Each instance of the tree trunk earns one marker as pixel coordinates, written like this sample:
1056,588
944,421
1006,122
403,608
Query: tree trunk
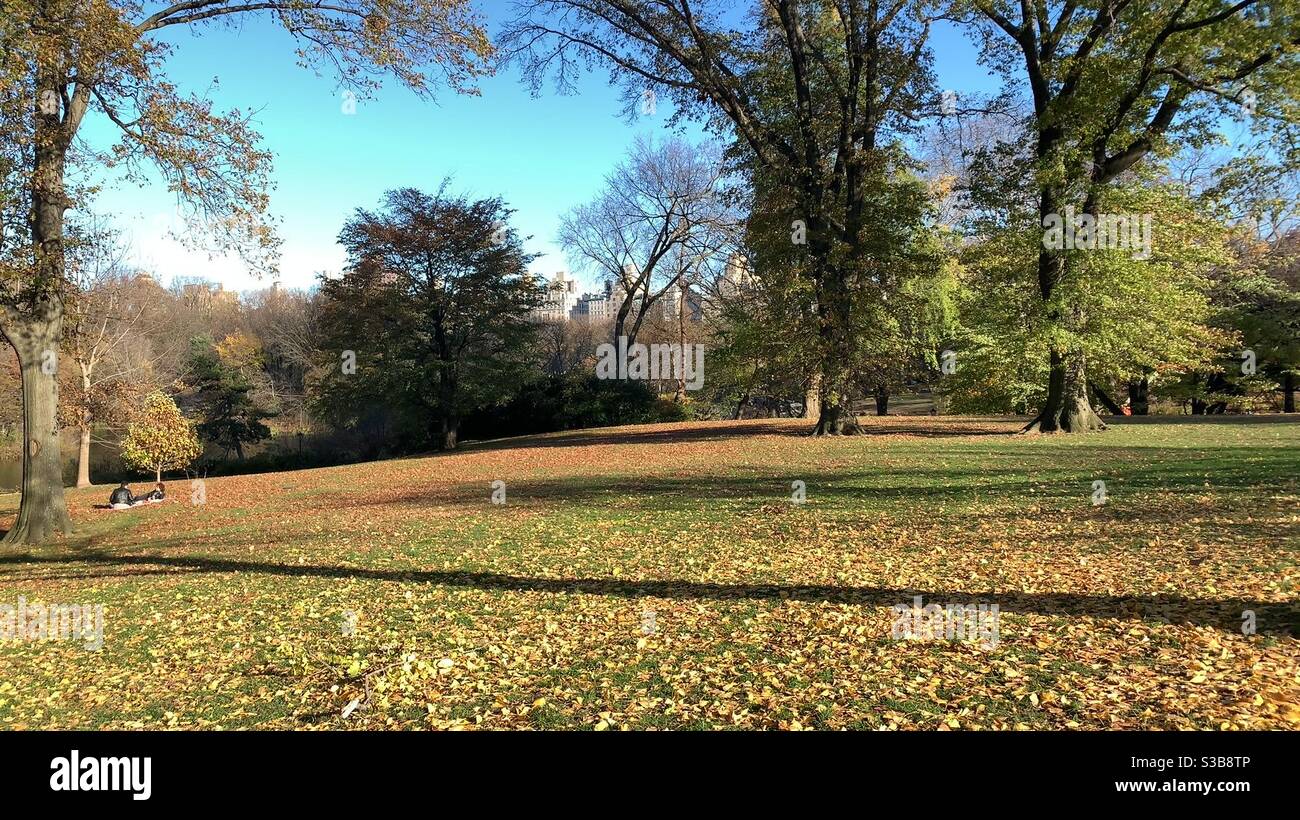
1106,400
34,325
444,410
157,474
1138,400
1217,384
1288,393
882,400
812,402
620,320
740,405
1067,409
450,427
83,448
680,395
42,511
836,417
83,453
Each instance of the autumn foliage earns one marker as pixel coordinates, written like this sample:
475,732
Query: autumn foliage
160,438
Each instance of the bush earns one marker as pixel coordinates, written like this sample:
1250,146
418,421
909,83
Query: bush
666,409
571,402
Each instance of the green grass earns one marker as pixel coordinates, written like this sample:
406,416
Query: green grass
766,613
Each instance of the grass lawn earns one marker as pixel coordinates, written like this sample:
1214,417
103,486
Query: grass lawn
661,577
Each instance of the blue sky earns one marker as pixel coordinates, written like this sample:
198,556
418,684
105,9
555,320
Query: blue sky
544,155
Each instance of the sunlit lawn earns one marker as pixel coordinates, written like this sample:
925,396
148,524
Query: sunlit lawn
663,577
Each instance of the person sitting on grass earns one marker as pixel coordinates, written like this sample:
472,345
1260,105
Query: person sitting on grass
158,493
121,498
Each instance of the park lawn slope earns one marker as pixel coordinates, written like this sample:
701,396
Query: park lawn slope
663,577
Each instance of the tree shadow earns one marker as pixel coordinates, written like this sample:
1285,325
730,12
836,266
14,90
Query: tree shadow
1225,614
924,426
1263,418
1041,475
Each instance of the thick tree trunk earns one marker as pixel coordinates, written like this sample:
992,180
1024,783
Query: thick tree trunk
1067,409
740,406
1288,393
448,420
1138,400
836,417
812,402
1217,384
42,511
881,394
34,325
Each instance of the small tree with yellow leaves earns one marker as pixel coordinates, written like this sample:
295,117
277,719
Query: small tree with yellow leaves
159,437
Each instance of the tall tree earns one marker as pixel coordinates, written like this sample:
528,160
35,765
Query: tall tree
108,314
1112,82
1147,319
221,379
660,215
818,93
1267,313
433,308
64,59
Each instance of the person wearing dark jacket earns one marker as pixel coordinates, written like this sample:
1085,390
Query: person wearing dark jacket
121,498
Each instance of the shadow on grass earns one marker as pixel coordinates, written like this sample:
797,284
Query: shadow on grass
1036,476
1224,614
1263,418
925,426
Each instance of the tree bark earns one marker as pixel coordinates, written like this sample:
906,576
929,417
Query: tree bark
450,428
1138,400
83,453
812,401
680,395
448,420
33,324
740,406
1067,409
836,417
42,511
1288,393
1106,400
83,448
882,400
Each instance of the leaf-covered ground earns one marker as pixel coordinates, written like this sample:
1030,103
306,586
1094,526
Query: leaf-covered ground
662,577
